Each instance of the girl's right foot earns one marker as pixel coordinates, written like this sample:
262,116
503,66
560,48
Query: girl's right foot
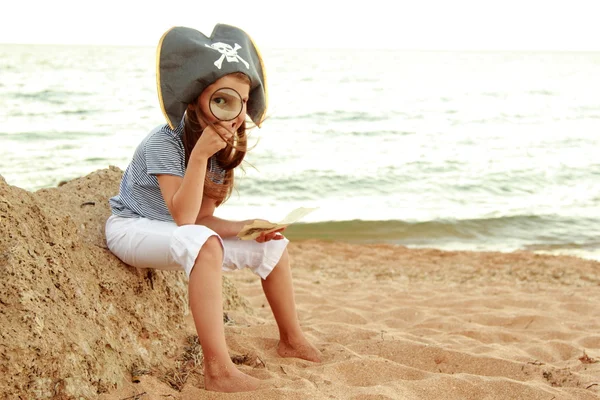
299,348
229,379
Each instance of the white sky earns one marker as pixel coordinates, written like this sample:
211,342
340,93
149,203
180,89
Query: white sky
416,24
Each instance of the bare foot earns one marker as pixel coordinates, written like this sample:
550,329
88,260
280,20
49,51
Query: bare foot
229,380
300,349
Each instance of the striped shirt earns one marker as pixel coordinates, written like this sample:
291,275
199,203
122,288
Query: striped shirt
161,152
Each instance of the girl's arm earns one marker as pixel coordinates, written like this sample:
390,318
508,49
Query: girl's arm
223,227
183,196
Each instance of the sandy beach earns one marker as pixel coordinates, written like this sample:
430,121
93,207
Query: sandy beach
391,322
394,323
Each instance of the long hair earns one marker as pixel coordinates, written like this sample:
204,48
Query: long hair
216,187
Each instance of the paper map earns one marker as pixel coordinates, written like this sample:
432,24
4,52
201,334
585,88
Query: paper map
253,230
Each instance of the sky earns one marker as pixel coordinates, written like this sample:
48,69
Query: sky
567,25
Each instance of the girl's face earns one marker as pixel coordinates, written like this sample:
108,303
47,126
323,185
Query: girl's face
229,81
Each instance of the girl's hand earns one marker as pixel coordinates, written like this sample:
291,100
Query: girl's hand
210,141
265,237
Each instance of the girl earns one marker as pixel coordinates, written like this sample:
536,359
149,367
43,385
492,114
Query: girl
163,215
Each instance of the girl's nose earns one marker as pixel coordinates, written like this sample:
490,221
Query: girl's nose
236,123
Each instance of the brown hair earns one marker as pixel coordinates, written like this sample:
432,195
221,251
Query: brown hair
228,158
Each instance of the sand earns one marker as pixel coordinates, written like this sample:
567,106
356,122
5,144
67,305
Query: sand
391,322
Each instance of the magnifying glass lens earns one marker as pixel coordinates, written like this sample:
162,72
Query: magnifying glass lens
226,104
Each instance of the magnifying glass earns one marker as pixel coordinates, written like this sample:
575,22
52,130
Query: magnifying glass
226,104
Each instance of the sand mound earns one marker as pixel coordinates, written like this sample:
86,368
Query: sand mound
75,320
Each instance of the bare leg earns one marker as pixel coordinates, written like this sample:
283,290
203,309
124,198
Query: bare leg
279,290
206,303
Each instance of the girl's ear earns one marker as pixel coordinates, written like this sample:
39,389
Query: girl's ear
193,104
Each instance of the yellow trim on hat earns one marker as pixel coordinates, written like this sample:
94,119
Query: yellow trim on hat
160,98
264,79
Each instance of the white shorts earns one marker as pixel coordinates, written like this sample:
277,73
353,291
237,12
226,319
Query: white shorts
146,243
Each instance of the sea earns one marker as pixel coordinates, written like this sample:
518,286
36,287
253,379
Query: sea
452,150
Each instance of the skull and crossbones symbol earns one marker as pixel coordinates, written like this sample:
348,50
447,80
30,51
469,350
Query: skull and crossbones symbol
227,52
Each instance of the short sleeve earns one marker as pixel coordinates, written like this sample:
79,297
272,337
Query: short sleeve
217,172
165,155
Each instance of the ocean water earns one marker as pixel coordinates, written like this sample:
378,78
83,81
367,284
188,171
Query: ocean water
452,150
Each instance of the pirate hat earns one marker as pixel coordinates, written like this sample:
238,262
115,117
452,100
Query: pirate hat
188,61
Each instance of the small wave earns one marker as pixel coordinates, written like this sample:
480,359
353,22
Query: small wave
48,96
541,92
334,116
47,136
44,97
526,232
515,116
27,136
494,94
33,113
78,112
314,184
588,108
366,133
354,79
592,245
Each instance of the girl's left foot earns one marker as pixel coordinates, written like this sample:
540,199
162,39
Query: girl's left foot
299,348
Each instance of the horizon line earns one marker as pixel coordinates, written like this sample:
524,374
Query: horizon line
383,48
